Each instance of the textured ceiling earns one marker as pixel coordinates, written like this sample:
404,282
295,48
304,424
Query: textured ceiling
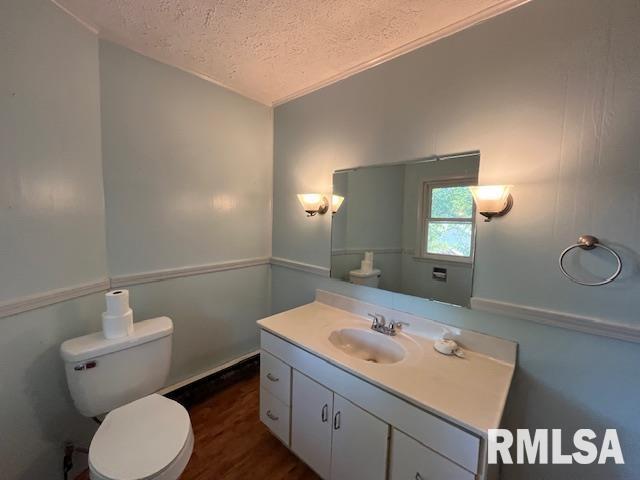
273,50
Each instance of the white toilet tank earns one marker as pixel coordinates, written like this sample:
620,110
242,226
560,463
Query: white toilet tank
369,279
106,374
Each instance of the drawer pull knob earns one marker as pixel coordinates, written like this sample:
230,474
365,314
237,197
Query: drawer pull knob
273,417
272,378
325,413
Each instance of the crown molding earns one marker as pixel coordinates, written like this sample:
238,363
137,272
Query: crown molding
444,32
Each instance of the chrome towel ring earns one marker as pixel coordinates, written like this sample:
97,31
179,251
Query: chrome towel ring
589,242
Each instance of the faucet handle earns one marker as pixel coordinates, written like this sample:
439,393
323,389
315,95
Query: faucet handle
397,324
378,319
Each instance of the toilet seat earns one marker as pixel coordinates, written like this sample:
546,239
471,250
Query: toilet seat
150,438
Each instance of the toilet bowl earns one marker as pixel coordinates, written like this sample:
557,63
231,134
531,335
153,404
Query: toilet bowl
144,435
150,438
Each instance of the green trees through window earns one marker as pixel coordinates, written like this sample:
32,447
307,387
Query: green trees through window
449,221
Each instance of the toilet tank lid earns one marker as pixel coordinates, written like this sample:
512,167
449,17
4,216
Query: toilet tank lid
95,345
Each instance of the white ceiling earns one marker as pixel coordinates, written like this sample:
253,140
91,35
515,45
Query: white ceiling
275,50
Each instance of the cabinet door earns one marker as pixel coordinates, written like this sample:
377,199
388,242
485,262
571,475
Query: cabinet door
311,414
411,460
360,440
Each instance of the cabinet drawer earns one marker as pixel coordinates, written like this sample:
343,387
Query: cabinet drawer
275,376
411,460
275,415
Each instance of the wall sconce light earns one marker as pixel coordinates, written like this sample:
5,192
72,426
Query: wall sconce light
336,201
492,200
314,203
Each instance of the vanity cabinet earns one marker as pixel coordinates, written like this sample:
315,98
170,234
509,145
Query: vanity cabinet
334,437
345,428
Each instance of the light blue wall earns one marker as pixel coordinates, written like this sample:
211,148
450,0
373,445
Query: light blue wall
37,415
187,174
187,167
187,179
52,232
549,94
214,315
51,201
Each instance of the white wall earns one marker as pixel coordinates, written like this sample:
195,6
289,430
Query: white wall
550,95
52,232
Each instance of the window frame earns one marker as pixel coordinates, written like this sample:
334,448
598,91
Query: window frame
425,218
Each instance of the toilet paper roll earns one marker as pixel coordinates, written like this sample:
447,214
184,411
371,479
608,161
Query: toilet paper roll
117,326
366,266
368,256
117,302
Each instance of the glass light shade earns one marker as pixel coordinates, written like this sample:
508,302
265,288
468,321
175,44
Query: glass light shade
336,202
313,203
490,198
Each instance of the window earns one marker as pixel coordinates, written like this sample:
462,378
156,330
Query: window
448,220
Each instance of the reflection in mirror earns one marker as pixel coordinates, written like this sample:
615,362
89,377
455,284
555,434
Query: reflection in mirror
408,227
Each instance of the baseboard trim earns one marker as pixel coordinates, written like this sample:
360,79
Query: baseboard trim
51,297
159,275
304,267
207,373
568,321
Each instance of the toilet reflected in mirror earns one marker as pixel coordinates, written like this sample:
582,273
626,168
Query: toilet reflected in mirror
408,227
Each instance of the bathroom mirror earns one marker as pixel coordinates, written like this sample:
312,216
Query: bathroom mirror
408,227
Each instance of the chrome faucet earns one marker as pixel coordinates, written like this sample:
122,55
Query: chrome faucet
379,324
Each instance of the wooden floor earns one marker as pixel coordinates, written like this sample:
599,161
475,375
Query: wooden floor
232,444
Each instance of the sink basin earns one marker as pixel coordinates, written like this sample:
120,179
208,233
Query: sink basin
367,345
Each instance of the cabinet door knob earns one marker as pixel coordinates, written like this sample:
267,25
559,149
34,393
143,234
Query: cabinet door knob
336,421
325,413
272,378
272,416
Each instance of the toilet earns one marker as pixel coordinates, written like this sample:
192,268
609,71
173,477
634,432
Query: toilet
143,435
368,279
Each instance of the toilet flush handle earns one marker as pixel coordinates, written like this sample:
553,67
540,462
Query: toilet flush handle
86,365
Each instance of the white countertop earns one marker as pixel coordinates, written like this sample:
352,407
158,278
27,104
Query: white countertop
470,391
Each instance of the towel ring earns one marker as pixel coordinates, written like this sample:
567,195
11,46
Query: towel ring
589,242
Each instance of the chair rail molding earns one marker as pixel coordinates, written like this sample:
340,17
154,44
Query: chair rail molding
568,321
50,297
166,274
304,267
